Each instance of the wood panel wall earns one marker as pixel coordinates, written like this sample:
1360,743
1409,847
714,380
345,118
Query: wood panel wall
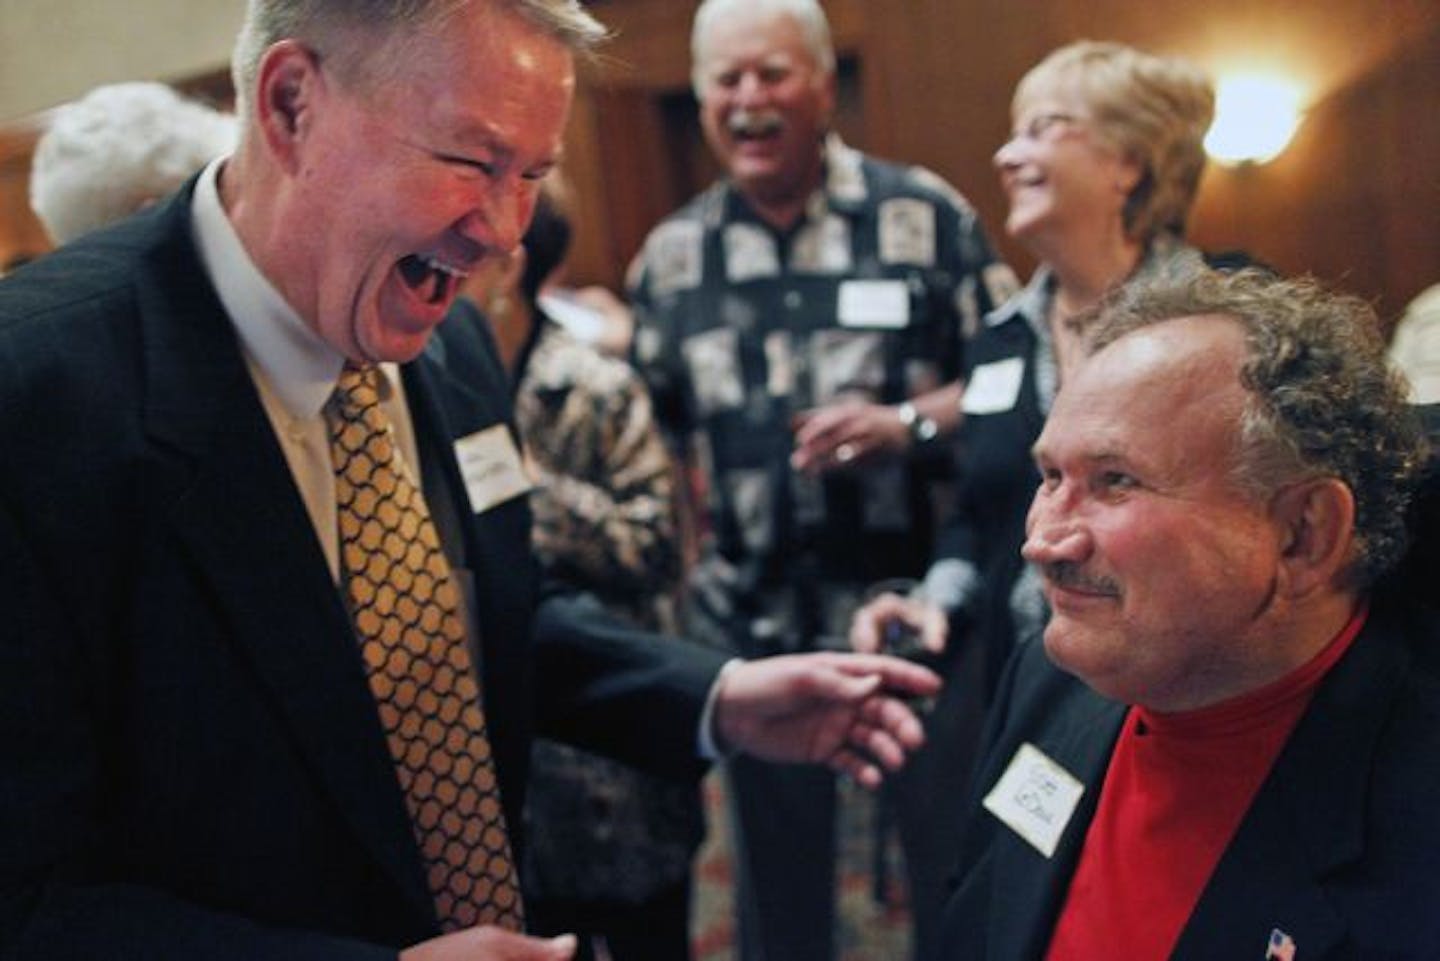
1355,199
21,236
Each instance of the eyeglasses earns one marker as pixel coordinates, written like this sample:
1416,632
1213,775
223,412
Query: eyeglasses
1045,125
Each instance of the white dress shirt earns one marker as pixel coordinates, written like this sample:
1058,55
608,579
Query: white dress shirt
294,370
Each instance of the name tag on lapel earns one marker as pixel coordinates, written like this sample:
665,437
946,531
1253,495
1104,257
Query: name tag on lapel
490,465
1035,798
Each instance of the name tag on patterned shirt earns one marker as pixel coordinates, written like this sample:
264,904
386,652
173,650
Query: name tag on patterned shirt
490,465
874,303
1035,798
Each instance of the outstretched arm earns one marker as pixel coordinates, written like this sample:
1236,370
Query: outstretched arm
841,710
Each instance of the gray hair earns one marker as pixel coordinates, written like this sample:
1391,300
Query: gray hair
118,148
1154,110
327,25
807,14
1322,401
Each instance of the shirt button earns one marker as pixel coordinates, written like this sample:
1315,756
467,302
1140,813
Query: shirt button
793,300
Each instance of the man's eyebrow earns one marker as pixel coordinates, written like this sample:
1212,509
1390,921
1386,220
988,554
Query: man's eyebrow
1105,455
477,135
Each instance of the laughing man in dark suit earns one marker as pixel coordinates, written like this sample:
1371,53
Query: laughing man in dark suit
198,762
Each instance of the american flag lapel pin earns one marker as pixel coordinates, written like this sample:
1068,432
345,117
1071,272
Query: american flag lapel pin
1282,946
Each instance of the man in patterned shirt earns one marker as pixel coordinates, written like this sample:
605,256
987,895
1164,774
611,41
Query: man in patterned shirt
800,325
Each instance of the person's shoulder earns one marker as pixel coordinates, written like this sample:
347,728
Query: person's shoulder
82,279
890,178
561,361
68,316
706,207
1416,618
671,258
1394,668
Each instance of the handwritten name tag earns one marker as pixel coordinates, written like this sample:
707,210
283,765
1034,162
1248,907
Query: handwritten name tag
1035,798
490,465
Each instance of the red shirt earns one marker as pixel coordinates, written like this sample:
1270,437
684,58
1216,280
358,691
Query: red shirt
1176,790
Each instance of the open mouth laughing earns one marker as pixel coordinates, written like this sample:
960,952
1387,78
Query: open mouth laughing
748,126
431,279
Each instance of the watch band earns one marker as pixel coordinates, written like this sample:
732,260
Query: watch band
922,429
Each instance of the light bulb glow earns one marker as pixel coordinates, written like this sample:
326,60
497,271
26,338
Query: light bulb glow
1255,117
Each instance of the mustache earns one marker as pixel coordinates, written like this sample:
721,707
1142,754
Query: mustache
754,123
1071,576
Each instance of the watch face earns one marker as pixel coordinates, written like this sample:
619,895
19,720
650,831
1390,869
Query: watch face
921,428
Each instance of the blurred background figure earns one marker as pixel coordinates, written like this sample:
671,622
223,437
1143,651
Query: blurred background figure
610,848
591,314
1101,169
1415,348
800,324
118,149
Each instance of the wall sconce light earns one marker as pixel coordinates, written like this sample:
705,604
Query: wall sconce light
1255,117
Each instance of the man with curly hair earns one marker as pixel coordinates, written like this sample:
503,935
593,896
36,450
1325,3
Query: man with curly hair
1225,745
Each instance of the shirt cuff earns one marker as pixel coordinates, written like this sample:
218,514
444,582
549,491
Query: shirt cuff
706,742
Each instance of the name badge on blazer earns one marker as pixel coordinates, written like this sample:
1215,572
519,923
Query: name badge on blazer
1035,798
491,467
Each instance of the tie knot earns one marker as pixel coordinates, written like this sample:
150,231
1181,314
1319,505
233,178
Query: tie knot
357,391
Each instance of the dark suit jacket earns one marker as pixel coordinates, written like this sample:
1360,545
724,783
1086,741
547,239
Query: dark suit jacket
1340,849
190,760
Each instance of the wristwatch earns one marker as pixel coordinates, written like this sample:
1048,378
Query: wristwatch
922,429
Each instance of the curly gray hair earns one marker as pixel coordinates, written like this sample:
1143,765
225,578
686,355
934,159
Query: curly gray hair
1322,402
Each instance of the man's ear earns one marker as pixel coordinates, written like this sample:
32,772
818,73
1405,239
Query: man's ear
285,86
1317,519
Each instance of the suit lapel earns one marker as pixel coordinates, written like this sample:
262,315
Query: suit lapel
235,508
1308,820
1028,888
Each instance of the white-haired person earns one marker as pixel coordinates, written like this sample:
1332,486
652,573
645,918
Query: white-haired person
118,149
801,326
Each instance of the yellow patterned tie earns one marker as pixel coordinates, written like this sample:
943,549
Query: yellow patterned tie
405,607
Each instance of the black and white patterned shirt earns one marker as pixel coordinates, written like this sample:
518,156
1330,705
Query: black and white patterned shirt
741,327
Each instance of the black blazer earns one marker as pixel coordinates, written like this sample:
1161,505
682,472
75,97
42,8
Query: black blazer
1340,849
190,760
